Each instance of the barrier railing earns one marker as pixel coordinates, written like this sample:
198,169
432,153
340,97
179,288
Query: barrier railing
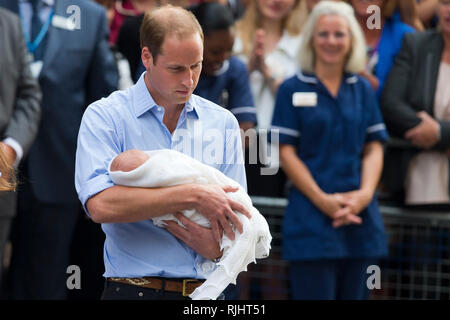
418,265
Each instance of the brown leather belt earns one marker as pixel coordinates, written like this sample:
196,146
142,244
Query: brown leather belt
183,286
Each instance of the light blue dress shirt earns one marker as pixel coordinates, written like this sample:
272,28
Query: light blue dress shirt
130,119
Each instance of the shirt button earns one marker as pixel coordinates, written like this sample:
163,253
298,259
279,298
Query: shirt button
140,294
159,109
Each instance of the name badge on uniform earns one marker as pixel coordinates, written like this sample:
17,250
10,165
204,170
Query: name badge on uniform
63,23
304,99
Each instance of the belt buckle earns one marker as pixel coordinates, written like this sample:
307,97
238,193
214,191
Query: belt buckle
185,281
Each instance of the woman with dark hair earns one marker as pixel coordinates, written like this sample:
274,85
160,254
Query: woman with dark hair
224,78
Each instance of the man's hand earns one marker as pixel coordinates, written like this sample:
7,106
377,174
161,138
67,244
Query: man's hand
198,238
215,206
10,156
9,152
425,135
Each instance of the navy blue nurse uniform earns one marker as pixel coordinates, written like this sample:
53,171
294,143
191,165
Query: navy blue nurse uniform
233,80
329,134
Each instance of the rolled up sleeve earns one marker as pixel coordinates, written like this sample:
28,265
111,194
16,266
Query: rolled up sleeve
97,144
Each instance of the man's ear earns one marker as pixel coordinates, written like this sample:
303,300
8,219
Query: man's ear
147,58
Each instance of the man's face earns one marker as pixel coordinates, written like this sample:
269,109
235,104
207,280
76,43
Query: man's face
175,75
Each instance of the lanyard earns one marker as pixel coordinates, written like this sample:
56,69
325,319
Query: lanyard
32,46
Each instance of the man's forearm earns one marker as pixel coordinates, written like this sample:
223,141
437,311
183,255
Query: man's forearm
121,204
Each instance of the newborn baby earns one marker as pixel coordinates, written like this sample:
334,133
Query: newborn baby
165,168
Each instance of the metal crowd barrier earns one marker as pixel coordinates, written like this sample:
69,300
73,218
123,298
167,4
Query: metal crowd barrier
417,267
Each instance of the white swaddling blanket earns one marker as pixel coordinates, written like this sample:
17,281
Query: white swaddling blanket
167,168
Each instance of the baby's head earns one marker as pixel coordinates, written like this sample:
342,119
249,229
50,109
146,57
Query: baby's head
129,160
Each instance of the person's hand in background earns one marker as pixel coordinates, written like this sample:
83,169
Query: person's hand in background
425,134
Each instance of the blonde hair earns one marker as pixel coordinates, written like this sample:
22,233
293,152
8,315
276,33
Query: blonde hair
164,21
7,178
251,21
357,58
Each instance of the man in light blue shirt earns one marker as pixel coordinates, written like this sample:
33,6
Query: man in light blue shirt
159,112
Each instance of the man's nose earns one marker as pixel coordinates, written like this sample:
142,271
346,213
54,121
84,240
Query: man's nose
188,78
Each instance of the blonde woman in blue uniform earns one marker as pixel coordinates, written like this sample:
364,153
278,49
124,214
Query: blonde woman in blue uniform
331,134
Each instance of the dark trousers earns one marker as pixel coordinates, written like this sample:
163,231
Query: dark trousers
41,239
330,279
8,201
87,253
122,291
5,223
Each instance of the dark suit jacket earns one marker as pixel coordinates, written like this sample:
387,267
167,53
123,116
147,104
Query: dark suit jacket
78,68
20,96
410,88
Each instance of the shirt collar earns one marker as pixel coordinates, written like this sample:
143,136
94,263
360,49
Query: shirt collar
143,100
350,78
191,107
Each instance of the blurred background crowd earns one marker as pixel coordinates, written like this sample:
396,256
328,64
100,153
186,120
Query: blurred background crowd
54,64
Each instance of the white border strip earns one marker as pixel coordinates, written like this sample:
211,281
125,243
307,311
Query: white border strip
243,110
376,127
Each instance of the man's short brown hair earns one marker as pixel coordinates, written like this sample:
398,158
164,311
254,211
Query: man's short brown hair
164,21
